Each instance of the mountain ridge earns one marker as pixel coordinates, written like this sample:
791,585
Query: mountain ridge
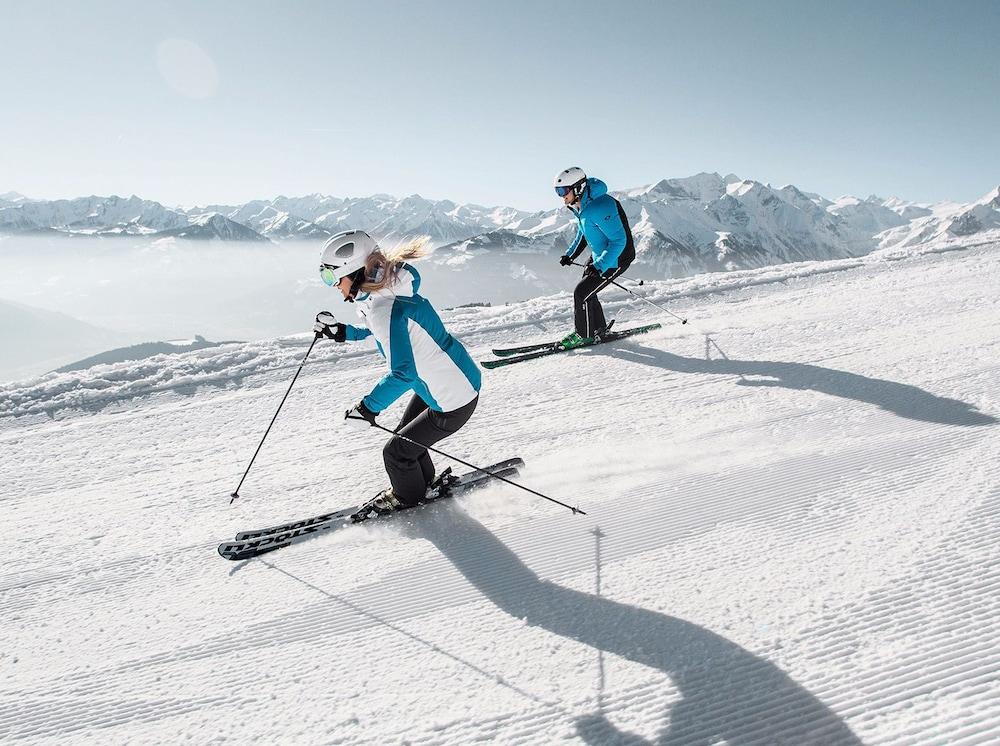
703,222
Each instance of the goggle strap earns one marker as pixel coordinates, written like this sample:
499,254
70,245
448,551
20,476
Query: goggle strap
359,278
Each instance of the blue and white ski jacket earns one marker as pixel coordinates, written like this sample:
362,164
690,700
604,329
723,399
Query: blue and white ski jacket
602,226
422,355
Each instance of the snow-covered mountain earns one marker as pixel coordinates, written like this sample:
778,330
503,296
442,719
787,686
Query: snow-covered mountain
708,223
704,223
948,220
682,227
313,217
90,215
117,216
210,226
390,218
386,217
12,198
871,216
981,217
274,223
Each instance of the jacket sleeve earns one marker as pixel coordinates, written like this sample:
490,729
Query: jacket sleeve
402,370
578,245
610,224
354,333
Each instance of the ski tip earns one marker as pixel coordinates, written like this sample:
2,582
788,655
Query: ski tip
231,553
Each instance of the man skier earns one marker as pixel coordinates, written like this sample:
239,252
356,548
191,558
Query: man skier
422,357
603,227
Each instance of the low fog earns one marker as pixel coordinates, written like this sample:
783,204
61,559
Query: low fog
122,291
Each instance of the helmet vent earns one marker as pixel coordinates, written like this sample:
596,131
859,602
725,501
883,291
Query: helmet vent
346,251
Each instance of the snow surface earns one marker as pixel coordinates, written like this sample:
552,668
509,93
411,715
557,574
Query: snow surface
792,532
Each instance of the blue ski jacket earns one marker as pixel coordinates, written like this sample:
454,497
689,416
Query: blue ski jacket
602,226
422,356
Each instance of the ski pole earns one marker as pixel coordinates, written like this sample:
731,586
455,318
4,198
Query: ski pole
471,466
628,290
236,492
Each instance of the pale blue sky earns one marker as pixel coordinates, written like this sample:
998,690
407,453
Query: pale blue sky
484,102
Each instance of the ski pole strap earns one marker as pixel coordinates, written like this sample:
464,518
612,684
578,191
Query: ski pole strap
471,466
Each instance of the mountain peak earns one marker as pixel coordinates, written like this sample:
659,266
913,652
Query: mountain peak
991,198
203,218
742,187
701,186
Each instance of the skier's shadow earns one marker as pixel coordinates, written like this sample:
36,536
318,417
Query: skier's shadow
902,399
728,694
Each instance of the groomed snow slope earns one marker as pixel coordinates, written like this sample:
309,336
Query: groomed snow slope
795,543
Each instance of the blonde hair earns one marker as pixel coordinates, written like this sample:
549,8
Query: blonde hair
382,267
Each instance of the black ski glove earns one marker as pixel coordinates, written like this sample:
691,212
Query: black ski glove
327,326
361,412
566,260
590,270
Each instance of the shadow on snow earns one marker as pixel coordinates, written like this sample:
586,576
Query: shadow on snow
727,692
902,399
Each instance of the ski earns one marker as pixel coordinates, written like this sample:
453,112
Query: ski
241,550
344,512
245,549
508,351
552,348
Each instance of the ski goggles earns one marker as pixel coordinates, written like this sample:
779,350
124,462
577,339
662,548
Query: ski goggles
562,191
327,276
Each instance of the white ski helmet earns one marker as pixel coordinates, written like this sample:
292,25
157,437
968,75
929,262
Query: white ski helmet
571,180
345,254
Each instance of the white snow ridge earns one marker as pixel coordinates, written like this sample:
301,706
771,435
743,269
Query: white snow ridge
792,531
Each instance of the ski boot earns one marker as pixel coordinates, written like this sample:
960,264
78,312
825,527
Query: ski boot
383,503
602,333
574,340
441,486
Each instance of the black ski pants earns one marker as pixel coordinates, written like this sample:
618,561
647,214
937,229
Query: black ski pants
409,466
588,314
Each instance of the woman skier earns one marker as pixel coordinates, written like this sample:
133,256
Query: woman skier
422,357
603,227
